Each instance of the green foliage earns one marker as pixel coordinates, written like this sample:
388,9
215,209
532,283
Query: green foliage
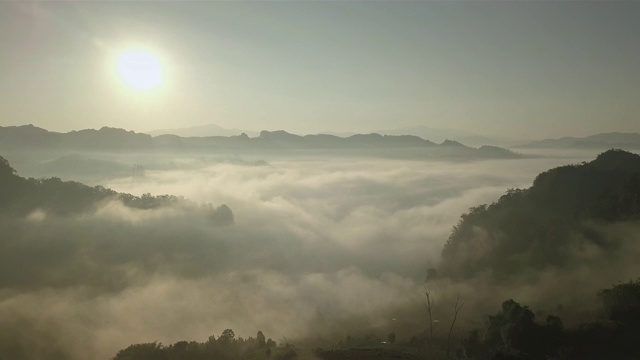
260,339
227,336
226,347
20,196
286,352
365,341
148,351
147,201
622,302
5,169
533,228
513,331
512,327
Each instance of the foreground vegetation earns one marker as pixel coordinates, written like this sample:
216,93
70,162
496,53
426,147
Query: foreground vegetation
511,333
225,347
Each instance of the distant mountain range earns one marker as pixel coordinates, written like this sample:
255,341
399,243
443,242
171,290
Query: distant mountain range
599,141
437,135
111,139
202,131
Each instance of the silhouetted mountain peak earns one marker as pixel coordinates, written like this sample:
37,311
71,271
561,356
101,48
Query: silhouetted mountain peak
23,130
112,130
452,143
29,127
371,135
205,130
276,135
106,138
25,135
616,159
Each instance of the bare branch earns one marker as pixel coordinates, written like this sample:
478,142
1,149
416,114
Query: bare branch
429,305
456,309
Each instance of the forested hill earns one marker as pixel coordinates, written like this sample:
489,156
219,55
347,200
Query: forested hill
20,197
543,225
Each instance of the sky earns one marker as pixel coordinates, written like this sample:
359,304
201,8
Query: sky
532,69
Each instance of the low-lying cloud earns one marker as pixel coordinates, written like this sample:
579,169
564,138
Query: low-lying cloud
315,241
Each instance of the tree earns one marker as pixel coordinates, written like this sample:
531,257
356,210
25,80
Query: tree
148,351
622,302
227,336
456,309
261,339
391,338
429,305
432,273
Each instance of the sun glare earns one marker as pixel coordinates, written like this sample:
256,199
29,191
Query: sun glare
139,70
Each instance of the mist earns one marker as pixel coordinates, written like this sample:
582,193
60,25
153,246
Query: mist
320,248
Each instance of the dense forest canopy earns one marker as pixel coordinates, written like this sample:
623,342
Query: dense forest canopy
514,334
20,196
62,233
541,226
226,347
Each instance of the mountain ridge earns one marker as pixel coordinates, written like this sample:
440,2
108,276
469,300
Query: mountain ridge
115,139
608,140
425,132
20,196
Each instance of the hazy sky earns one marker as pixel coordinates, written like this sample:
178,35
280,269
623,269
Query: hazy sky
522,69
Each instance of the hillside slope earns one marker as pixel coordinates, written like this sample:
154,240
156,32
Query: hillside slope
550,223
20,197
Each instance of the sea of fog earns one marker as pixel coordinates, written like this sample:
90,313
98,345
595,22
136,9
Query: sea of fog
320,247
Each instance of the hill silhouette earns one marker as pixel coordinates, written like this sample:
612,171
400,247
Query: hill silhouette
199,130
20,197
29,137
542,226
597,141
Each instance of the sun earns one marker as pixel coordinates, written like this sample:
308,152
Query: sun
140,70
